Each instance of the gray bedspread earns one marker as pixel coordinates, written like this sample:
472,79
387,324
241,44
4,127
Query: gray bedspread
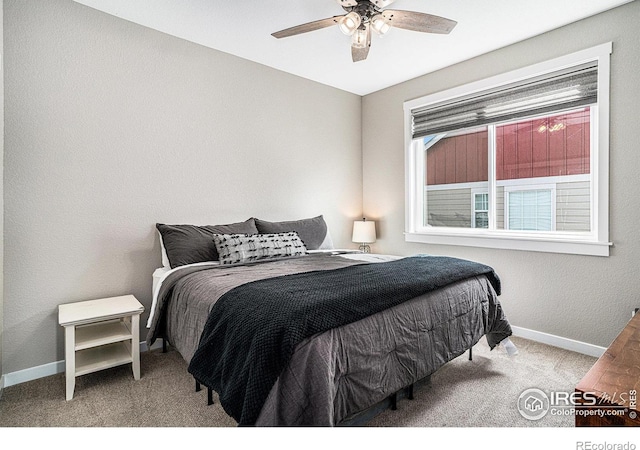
340,372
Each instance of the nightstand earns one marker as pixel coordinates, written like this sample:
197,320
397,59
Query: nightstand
100,334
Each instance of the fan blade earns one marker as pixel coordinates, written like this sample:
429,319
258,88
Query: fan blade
417,21
360,54
347,3
305,28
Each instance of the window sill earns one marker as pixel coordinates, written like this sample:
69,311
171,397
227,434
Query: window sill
532,244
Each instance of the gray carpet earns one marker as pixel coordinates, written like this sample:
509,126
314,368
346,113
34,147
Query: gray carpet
463,393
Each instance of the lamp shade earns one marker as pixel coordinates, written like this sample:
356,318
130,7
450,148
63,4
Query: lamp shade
349,23
379,24
364,231
359,38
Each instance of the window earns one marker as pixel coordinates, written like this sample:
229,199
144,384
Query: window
518,161
480,210
529,209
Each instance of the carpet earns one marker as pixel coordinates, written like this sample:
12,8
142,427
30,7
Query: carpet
479,393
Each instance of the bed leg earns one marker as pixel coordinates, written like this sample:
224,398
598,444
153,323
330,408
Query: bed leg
164,345
394,401
470,353
198,387
209,396
410,392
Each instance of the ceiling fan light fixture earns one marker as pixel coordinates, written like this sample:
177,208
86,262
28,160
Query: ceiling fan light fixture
379,24
360,16
359,38
350,23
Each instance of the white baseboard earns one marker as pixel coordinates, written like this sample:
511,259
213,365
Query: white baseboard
53,368
33,373
560,342
45,370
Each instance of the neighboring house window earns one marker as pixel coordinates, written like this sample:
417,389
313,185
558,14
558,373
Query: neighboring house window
530,209
528,151
480,210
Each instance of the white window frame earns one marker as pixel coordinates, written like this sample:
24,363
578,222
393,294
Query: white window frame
594,243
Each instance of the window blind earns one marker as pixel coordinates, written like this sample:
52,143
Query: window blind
530,210
560,90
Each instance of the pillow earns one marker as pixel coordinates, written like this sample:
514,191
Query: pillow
188,244
313,232
242,248
165,258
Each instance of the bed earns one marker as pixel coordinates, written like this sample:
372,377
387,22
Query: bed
316,337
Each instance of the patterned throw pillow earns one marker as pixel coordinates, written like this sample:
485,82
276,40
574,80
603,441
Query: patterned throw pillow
242,248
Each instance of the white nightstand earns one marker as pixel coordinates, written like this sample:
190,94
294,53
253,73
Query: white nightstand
100,334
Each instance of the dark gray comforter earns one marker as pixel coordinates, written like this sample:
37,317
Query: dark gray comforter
342,371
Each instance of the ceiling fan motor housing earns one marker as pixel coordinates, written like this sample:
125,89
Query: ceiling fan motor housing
364,8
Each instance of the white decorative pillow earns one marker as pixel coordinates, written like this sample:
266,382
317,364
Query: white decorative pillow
242,248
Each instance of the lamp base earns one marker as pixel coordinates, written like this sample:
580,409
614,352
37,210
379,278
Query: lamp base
364,248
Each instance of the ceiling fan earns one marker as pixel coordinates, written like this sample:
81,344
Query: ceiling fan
364,15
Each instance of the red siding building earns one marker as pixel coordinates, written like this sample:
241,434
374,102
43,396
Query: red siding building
551,146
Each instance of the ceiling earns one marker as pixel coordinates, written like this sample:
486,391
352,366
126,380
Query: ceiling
243,28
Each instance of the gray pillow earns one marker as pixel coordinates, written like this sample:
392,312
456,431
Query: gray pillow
313,232
244,248
187,244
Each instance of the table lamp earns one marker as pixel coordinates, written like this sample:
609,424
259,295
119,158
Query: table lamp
364,232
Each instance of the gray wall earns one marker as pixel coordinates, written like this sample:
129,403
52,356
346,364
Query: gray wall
578,297
112,127
1,190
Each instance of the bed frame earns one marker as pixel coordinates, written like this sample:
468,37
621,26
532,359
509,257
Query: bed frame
362,417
